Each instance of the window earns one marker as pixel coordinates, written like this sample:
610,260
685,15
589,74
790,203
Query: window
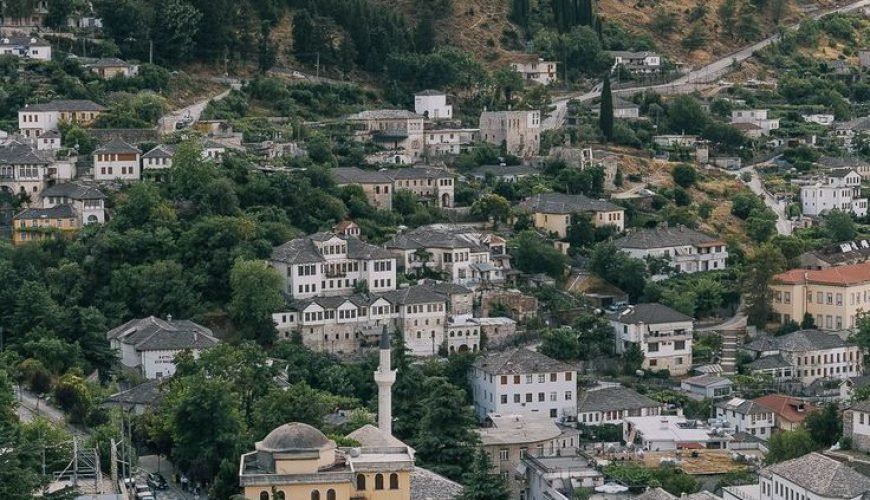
504,399
553,396
553,377
568,376
541,397
330,494
528,379
528,397
280,496
653,347
568,395
679,345
264,495
542,378
361,481
503,454
553,413
394,481
379,481
315,495
516,398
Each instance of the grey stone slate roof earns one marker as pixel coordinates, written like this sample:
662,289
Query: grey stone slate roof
520,361
707,380
768,363
663,237
434,239
154,334
862,406
654,494
821,475
148,393
558,203
427,485
161,151
420,294
744,406
117,146
16,153
383,114
66,105
614,398
353,175
429,92
416,173
55,212
358,249
74,191
649,314
620,103
839,172
109,62
297,251
503,171
12,41
799,341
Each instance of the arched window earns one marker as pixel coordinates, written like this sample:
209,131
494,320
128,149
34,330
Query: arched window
264,495
361,481
379,481
315,495
330,495
280,496
394,481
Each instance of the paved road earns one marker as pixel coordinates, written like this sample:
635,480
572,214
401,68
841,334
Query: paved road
166,125
29,406
783,224
150,463
694,80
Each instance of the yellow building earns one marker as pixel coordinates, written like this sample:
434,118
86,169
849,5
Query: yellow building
834,297
553,212
34,224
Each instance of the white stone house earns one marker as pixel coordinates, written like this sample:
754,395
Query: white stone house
663,335
117,160
747,416
432,104
636,62
25,47
23,169
805,355
707,386
840,190
326,264
856,425
49,141
756,117
35,119
151,344
523,382
537,71
687,250
450,141
158,158
810,477
623,109
88,202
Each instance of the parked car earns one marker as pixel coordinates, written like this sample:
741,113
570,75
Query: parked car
156,481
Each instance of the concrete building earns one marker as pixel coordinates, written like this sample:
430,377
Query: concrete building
557,478
756,117
789,413
326,264
509,438
36,224
667,432
841,190
687,250
150,344
377,186
111,67
856,425
841,254
450,141
87,202
834,297
610,405
518,132
707,386
636,62
117,160
25,47
747,416
553,212
812,477
36,119
537,71
432,105
523,382
394,130
663,335
432,185
806,355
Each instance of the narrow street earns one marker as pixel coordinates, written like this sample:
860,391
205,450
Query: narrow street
167,123
29,406
783,224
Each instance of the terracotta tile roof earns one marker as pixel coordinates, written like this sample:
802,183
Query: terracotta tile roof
840,275
786,407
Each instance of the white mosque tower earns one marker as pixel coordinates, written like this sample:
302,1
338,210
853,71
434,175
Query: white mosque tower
385,377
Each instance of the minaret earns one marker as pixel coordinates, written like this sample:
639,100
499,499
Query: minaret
385,377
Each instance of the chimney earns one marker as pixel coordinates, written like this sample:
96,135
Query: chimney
169,318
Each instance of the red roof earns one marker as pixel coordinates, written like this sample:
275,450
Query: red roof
786,407
840,275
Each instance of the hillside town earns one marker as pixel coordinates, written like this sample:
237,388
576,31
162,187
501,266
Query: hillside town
448,250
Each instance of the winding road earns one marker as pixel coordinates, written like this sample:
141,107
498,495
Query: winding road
697,79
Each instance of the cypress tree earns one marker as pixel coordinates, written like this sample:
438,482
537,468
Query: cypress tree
605,118
480,482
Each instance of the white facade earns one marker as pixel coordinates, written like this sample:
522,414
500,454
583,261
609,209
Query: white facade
756,117
747,416
668,432
433,105
26,47
35,123
819,119
450,141
666,344
540,71
836,193
87,203
549,390
109,166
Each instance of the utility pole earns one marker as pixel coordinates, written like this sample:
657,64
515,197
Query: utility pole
114,462
150,51
317,73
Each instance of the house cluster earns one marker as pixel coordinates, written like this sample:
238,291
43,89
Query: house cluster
341,290
839,189
806,356
431,185
754,123
636,63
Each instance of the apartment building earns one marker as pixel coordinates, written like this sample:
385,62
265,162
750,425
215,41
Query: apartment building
117,160
687,250
834,296
537,71
805,355
663,335
518,132
840,190
747,416
757,117
326,264
553,212
523,382
36,119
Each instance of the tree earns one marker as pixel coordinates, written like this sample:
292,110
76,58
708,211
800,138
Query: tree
743,203
761,224
507,82
766,262
685,115
73,397
520,11
684,175
747,25
696,38
786,445
825,427
445,438
605,117
18,481
632,359
618,268
58,13
256,294
298,403
492,206
561,343
424,37
840,226
176,30
727,12
663,23
480,482
534,254
808,323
